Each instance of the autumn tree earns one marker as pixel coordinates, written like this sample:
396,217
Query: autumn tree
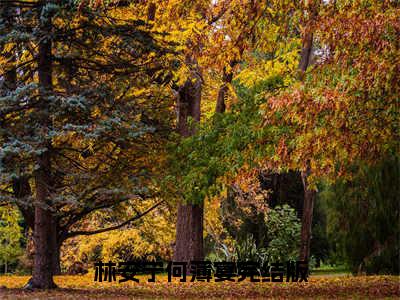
192,21
343,111
311,10
200,51
217,36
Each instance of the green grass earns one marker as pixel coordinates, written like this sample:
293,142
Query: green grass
330,270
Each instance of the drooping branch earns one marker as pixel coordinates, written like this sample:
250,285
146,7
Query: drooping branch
77,216
20,4
138,216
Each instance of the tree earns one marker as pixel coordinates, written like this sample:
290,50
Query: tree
330,122
344,123
215,38
189,225
73,121
309,192
363,217
205,51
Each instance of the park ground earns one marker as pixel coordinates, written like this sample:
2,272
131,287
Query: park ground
321,286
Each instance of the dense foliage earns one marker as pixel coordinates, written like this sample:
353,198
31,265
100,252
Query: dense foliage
10,237
236,122
363,218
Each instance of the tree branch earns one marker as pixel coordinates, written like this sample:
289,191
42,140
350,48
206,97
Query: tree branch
138,216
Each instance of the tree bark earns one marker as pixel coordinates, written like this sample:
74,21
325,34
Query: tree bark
44,230
223,91
189,233
189,226
45,235
306,218
305,54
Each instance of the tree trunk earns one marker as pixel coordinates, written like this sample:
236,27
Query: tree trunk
45,229
305,54
306,218
189,226
45,235
223,91
189,233
309,194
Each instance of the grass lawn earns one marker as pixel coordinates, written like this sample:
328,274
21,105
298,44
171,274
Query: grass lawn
331,270
318,287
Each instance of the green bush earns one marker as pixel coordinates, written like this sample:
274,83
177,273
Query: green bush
283,231
10,237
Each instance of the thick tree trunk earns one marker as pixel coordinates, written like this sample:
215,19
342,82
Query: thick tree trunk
42,276
189,226
45,235
45,229
189,233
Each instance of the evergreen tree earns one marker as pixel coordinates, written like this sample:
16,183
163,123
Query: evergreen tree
363,218
72,84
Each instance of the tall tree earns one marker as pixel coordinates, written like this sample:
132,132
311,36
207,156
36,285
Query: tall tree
45,227
73,127
189,225
309,192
